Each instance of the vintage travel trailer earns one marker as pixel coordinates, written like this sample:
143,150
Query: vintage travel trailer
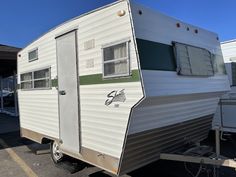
119,85
225,116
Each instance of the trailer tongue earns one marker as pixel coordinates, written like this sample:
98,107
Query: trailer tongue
203,155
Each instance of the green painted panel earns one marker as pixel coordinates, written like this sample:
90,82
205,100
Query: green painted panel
54,83
156,56
98,79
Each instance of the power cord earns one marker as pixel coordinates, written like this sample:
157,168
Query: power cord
191,173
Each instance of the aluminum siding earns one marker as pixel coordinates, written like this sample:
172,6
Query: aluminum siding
102,128
155,26
144,148
167,83
157,115
164,126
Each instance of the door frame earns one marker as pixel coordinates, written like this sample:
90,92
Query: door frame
78,83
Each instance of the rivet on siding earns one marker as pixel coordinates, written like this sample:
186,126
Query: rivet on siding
196,31
217,38
178,25
188,29
121,13
140,12
19,55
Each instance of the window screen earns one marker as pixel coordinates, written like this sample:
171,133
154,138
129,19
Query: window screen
33,55
26,81
233,68
193,61
116,60
36,79
41,79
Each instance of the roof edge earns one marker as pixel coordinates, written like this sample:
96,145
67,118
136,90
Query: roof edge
228,41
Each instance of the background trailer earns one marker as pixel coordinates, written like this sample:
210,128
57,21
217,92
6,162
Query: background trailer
226,111
8,85
119,85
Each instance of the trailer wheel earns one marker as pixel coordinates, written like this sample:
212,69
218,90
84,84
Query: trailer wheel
56,154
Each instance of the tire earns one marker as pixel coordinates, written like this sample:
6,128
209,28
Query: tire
56,155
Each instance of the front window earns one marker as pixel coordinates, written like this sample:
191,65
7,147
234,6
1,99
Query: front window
33,55
42,79
193,61
26,80
116,60
39,79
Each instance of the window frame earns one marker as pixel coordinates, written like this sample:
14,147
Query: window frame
33,80
32,50
25,81
127,58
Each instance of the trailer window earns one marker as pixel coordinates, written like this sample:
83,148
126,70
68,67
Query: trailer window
42,79
26,81
39,79
193,61
33,55
116,60
218,64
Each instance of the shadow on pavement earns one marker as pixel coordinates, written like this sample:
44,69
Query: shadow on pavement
99,174
13,139
8,124
9,133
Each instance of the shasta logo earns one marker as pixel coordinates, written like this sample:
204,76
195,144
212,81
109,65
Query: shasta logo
115,96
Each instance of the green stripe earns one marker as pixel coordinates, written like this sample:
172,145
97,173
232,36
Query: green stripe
98,79
54,83
156,56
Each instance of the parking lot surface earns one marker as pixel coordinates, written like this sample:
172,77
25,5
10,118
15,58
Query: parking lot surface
18,158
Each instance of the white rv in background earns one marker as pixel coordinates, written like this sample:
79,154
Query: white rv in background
225,117
119,85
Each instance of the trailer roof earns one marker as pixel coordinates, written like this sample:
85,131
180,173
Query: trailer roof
229,41
8,57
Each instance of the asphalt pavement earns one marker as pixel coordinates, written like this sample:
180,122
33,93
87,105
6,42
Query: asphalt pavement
18,158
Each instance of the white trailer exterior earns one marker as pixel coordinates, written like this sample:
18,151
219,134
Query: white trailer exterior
225,116
104,86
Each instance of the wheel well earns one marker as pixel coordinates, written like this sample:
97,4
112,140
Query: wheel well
46,141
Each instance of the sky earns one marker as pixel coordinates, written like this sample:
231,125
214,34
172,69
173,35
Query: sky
22,21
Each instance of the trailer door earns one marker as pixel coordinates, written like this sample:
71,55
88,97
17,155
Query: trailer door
68,92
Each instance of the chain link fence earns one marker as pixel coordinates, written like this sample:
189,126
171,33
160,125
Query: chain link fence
8,96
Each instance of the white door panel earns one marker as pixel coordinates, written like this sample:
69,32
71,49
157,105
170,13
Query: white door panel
68,92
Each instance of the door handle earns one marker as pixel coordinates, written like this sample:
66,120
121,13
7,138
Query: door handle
62,92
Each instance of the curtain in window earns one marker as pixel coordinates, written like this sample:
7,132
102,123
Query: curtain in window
120,51
42,84
115,52
26,85
40,79
41,74
27,76
116,60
